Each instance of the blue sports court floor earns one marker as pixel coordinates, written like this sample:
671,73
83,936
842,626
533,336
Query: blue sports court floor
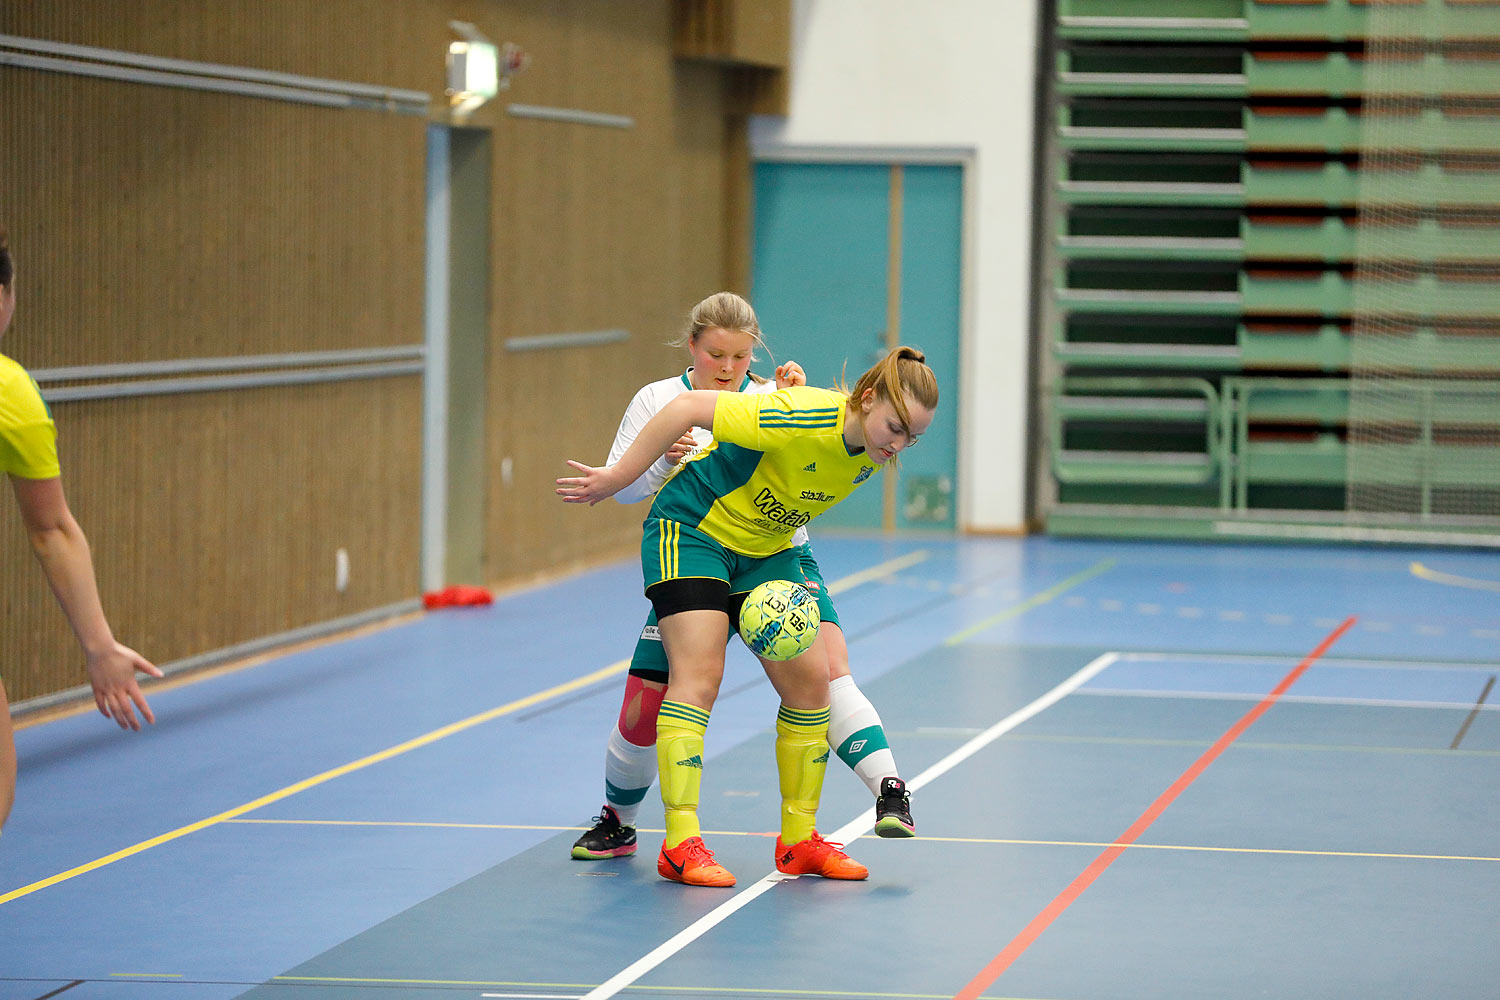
1139,770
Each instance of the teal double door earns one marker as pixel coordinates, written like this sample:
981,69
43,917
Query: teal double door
848,260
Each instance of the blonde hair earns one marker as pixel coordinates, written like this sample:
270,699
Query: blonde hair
727,311
900,373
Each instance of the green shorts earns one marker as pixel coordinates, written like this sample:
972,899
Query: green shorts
813,580
649,660
674,551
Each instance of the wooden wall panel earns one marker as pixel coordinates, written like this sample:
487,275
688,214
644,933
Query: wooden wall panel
155,223
596,228
214,518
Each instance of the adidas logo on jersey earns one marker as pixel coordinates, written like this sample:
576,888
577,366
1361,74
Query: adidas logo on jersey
810,467
823,759
694,761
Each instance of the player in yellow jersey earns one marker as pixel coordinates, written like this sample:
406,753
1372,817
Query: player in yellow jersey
28,454
722,524
721,337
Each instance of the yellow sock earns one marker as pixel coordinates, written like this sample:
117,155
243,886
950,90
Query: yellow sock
679,760
801,759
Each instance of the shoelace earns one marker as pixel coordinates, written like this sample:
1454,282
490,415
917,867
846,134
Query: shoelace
833,844
700,853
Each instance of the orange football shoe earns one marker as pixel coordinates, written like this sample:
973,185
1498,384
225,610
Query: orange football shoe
816,856
691,863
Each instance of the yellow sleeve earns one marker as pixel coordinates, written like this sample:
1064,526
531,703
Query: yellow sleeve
768,421
28,438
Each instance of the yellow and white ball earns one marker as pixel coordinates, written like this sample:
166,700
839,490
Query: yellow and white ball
779,620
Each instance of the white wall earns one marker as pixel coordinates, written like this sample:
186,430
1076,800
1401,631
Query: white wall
950,74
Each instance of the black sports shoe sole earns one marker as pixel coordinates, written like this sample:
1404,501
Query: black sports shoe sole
584,854
892,827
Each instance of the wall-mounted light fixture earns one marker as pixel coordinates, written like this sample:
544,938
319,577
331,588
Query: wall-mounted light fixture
478,69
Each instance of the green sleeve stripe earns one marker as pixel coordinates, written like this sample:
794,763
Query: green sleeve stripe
803,424
831,411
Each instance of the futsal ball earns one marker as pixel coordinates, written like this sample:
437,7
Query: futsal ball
779,620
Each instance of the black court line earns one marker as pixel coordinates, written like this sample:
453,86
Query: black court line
61,989
1473,713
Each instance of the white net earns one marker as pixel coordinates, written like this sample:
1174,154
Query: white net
1424,390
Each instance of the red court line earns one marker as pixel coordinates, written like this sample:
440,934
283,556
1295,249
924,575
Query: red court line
1054,909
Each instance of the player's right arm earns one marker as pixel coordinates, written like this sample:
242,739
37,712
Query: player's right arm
640,411
63,551
680,415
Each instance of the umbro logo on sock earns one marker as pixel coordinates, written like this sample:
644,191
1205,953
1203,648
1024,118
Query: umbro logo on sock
810,467
696,761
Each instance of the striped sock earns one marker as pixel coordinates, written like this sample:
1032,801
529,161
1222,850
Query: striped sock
801,759
856,735
628,773
679,757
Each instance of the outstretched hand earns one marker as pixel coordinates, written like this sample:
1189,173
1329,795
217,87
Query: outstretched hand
590,487
116,690
789,374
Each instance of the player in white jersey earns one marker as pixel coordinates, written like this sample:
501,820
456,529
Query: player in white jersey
721,337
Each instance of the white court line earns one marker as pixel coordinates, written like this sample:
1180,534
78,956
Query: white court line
1327,661
857,827
1296,699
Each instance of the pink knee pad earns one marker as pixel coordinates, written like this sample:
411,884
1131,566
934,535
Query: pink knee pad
646,703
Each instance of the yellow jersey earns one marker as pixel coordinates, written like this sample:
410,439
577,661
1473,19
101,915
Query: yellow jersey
777,461
28,438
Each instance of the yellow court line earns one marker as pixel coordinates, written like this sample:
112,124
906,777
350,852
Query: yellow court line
338,772
1225,850
886,568
482,826
147,975
1031,602
1418,570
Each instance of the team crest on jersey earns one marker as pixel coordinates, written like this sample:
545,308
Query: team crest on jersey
864,473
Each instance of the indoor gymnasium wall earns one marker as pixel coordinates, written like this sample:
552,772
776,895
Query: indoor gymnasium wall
152,223
597,228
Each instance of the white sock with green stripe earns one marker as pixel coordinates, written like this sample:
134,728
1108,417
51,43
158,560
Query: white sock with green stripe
856,735
628,773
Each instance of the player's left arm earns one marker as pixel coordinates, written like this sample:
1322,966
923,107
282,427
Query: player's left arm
681,414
